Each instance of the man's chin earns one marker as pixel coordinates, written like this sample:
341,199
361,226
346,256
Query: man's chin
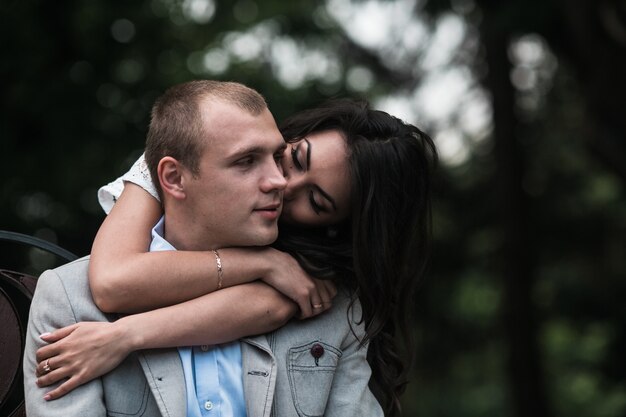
264,239
271,238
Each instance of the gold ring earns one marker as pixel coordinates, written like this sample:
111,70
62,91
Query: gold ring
46,366
318,305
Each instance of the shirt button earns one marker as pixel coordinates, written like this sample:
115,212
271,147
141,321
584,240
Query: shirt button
204,348
208,405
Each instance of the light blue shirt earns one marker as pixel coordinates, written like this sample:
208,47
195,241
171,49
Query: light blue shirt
213,374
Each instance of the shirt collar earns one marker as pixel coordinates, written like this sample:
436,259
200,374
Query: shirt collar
158,241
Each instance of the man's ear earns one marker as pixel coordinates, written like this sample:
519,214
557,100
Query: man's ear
170,172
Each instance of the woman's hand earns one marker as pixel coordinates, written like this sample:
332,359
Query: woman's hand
79,353
313,296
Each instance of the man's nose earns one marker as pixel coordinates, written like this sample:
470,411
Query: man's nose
294,184
274,180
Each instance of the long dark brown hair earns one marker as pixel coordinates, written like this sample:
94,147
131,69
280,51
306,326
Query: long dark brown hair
379,253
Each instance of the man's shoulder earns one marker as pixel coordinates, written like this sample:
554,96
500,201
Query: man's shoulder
346,304
67,287
78,267
69,275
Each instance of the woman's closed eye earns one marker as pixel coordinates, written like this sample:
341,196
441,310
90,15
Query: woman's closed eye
317,208
294,157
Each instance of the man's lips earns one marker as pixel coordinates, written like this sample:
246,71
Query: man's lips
270,212
270,207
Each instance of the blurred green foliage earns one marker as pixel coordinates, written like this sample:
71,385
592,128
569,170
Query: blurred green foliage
79,77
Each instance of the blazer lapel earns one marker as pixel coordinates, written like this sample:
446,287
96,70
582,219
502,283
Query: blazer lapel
259,375
164,373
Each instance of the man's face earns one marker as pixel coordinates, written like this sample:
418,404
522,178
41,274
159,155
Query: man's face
236,198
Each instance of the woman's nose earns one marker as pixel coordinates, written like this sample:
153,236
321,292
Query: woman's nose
294,184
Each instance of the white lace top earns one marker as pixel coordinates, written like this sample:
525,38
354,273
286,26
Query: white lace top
138,174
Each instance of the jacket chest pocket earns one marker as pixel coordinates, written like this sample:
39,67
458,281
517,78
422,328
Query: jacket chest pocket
311,369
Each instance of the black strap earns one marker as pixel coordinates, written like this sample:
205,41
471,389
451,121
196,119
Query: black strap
38,243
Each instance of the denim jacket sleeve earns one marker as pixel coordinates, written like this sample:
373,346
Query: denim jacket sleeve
63,298
51,309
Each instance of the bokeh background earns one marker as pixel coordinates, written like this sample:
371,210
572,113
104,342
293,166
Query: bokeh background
522,312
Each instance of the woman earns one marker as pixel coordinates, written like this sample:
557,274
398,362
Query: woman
367,233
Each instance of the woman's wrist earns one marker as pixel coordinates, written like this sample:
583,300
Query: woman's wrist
251,264
131,336
269,264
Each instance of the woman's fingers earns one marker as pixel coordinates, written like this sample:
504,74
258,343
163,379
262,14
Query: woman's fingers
52,377
79,354
63,389
58,334
53,348
306,306
43,367
316,300
52,370
46,352
332,289
319,299
324,296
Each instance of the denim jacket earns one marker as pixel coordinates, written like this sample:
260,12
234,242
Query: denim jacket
314,367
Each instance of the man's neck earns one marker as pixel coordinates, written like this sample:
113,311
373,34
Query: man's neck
184,236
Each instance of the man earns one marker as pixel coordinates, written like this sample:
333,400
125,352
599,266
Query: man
220,186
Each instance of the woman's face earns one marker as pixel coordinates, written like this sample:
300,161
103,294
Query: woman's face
318,180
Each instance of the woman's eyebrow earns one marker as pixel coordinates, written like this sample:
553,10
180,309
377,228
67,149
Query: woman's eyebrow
317,187
308,154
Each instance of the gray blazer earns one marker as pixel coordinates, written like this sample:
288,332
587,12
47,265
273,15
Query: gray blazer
307,368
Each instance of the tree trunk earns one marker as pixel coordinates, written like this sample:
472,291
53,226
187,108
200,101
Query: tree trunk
527,389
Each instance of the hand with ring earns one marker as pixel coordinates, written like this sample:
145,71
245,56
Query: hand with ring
313,296
45,369
78,354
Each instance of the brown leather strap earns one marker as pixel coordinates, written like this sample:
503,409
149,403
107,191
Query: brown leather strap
16,291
